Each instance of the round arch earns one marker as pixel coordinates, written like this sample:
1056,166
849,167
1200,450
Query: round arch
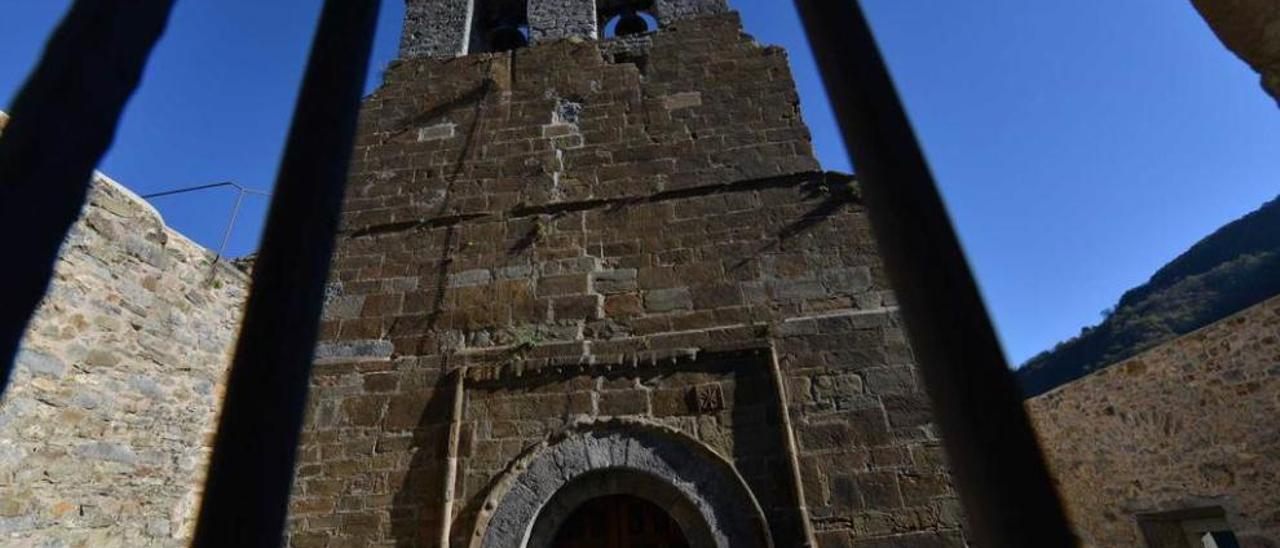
619,481
703,493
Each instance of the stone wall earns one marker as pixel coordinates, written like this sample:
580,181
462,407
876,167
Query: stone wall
631,231
104,431
1251,29
1189,424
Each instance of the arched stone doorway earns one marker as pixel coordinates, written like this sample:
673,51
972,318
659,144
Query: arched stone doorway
603,494
619,521
694,487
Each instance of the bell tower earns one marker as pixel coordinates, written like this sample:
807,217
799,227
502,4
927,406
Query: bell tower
451,28
593,287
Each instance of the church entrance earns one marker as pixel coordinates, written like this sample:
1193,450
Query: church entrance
619,521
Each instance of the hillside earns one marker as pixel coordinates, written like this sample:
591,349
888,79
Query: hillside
1231,269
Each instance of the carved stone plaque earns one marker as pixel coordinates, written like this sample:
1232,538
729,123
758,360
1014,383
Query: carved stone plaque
708,398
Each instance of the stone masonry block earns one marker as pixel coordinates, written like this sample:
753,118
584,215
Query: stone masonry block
667,300
445,130
470,277
669,11
558,19
615,281
682,100
435,28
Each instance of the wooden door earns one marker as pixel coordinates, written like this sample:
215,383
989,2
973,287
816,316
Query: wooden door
619,521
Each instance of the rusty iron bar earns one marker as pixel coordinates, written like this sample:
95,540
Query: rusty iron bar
251,471
995,460
63,121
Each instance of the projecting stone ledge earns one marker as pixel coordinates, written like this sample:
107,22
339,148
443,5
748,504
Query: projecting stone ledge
1251,29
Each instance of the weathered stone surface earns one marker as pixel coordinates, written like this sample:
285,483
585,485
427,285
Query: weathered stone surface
1186,425
106,425
557,19
435,28
627,232
667,300
39,363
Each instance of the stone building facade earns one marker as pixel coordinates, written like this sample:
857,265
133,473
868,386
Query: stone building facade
1182,436
106,424
604,266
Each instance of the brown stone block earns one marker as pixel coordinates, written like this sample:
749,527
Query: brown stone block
716,296
920,489
393,444
701,319
623,306
672,257
834,539
358,525
361,329
589,307
621,248
855,359
363,410
657,278
311,505
944,539
845,495
408,411
671,402
329,330
865,428
308,540
705,273
890,457
417,302
570,284
880,490
667,300
381,382
907,410
624,402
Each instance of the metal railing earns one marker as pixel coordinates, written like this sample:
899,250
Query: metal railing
241,191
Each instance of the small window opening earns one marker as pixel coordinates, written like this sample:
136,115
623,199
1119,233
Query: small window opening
500,25
626,18
1193,528
508,35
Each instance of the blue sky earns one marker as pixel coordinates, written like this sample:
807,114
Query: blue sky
1079,145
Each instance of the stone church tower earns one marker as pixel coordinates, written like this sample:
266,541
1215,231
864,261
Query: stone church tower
593,289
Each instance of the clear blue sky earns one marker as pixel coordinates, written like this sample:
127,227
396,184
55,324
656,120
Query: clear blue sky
1080,145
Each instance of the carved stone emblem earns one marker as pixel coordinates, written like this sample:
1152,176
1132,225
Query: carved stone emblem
708,398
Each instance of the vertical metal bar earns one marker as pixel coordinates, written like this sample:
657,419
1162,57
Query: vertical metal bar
62,123
251,471
231,223
995,460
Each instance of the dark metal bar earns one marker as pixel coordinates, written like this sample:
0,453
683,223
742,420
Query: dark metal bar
247,491
995,460
164,193
62,123
241,188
